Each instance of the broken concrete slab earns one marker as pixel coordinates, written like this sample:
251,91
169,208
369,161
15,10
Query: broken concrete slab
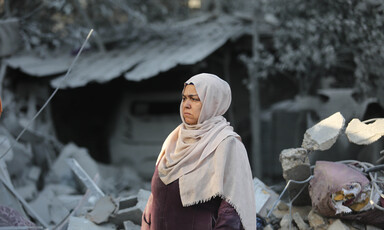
41,204
61,173
362,133
57,211
28,192
324,134
95,191
103,208
70,201
295,164
131,208
116,180
80,223
133,214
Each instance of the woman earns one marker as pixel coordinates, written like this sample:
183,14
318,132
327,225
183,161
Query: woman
202,178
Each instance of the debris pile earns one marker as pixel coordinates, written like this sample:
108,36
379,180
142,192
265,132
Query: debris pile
68,192
340,195
65,189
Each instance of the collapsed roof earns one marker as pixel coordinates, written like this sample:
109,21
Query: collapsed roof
183,43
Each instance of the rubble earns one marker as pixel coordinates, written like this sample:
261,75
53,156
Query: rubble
324,134
296,167
103,208
338,225
316,221
362,133
341,193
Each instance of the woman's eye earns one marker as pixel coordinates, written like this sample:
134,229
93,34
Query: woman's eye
195,99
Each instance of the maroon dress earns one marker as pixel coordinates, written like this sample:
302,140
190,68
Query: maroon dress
168,213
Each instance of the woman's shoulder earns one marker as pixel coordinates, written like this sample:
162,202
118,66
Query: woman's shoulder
232,139
231,142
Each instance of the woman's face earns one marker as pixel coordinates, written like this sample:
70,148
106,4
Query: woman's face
191,106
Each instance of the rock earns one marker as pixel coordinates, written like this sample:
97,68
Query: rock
324,134
296,166
60,170
268,227
104,207
286,223
370,227
316,221
28,192
364,134
299,221
338,225
295,163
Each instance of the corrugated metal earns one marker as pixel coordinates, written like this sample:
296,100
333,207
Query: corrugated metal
178,44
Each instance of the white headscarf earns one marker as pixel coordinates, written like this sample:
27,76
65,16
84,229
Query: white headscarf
204,157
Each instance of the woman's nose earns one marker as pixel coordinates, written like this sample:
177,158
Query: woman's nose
187,104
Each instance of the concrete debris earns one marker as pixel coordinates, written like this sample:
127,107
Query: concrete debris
338,225
324,134
350,191
268,227
103,208
293,160
316,221
295,164
86,180
60,170
131,208
28,192
76,192
129,225
362,133
370,227
286,222
301,225
79,223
